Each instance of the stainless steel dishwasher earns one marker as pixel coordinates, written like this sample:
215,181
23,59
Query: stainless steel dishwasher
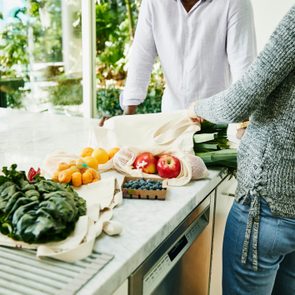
181,264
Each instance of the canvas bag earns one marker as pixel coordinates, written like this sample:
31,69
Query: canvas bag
165,131
158,133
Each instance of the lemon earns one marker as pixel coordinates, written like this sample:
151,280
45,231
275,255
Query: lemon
87,151
113,151
100,155
90,162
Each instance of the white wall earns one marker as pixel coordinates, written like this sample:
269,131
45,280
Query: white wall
267,14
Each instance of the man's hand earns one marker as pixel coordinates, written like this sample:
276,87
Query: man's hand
130,110
102,120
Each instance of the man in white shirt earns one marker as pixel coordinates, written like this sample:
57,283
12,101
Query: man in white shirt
202,45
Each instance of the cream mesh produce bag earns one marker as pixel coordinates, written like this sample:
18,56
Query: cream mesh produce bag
192,167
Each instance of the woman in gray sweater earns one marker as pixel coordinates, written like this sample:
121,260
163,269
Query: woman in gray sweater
259,239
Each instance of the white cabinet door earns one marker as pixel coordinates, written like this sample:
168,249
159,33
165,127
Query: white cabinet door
224,199
123,289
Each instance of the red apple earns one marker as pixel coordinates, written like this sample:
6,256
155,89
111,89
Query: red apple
147,162
168,166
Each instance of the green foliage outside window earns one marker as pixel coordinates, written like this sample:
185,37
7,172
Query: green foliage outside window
47,37
13,48
14,43
115,26
115,21
107,103
113,37
66,92
16,56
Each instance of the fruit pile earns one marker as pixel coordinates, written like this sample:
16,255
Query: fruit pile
76,173
94,157
143,184
83,170
166,166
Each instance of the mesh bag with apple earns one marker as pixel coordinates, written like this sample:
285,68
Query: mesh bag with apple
178,167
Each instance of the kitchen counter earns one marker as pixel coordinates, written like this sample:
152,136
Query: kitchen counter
26,139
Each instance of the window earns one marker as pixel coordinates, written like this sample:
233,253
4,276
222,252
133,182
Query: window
41,55
42,67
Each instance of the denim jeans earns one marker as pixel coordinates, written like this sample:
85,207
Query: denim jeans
276,254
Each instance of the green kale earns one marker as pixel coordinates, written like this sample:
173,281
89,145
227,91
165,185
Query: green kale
38,211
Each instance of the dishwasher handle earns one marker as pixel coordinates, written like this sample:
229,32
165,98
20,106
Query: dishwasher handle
177,248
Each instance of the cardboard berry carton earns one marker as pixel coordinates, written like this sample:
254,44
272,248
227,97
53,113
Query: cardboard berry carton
144,188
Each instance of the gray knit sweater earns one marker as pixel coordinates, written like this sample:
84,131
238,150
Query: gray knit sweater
266,95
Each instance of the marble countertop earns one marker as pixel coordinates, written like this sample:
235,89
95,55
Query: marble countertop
26,139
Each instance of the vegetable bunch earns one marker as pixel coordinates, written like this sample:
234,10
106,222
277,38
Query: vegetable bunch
39,210
211,144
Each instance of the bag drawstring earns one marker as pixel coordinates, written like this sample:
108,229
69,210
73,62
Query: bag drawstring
252,225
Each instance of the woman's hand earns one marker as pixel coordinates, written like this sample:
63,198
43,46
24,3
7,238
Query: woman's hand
241,128
197,120
192,115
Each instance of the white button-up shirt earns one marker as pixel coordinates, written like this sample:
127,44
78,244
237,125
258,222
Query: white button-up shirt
200,51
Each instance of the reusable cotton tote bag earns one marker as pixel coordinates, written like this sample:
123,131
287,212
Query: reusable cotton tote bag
158,133
170,131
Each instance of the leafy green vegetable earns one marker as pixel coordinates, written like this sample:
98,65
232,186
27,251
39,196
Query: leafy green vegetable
211,144
38,211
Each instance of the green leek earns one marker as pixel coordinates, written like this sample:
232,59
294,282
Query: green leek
211,144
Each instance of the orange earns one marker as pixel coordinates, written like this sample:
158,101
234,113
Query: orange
100,155
63,166
95,174
77,179
87,151
113,151
97,178
87,177
90,161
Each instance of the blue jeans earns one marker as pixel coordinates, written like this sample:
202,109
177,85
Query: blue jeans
276,255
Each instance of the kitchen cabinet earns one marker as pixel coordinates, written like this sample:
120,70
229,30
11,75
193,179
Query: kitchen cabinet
196,263
224,198
123,289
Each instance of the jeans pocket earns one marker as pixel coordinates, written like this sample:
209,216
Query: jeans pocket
268,236
285,242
